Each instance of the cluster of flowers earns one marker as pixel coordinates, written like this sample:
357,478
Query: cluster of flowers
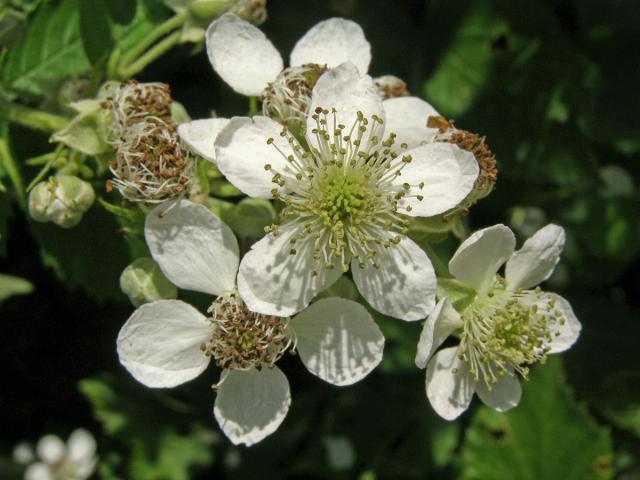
352,161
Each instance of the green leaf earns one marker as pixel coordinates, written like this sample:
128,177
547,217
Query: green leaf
10,286
95,29
145,421
548,436
90,256
465,67
249,217
51,50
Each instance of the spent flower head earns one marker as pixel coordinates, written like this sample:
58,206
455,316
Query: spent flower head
504,324
151,164
168,342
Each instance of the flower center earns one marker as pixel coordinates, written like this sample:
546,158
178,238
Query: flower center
151,165
287,98
507,331
242,339
343,193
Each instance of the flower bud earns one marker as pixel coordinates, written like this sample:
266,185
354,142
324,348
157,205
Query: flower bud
143,282
207,10
390,86
62,200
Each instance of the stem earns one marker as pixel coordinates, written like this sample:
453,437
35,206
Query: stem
439,266
253,106
10,165
35,119
142,62
46,168
161,30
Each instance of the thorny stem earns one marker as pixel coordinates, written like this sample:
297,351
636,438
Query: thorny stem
159,49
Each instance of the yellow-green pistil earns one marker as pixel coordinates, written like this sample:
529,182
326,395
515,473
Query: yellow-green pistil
507,331
342,196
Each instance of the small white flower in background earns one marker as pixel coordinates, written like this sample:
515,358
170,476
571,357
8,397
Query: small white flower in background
348,194
168,342
505,326
55,460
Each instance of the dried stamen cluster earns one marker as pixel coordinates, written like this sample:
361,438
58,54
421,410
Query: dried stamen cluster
343,194
242,339
150,165
475,144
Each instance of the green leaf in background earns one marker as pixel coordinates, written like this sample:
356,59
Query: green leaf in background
5,212
548,436
146,423
51,50
466,65
95,29
90,256
249,217
10,286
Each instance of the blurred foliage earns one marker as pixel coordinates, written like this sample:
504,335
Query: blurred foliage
549,82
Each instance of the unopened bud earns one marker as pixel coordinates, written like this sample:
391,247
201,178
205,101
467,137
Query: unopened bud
390,86
143,282
62,200
207,10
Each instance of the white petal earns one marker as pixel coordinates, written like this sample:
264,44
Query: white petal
81,446
346,91
160,343
51,449
481,255
441,323
193,247
503,396
242,153
405,284
242,55
274,282
252,404
407,118
338,340
332,42
448,172
564,335
449,393
38,471
536,260
200,135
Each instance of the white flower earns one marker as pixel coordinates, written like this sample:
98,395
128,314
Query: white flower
347,197
505,328
56,460
168,342
242,55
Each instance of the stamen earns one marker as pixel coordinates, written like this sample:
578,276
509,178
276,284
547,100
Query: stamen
242,339
342,194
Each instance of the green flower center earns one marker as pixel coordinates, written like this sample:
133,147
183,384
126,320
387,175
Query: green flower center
343,192
507,331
